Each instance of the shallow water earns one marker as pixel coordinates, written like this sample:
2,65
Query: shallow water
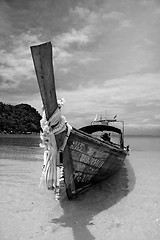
143,143
126,206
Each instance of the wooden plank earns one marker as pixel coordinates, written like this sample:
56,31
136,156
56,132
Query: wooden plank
42,59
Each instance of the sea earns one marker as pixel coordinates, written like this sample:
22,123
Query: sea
125,206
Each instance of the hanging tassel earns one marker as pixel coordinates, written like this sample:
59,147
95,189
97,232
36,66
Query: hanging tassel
48,177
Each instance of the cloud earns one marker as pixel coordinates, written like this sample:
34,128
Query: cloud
87,59
61,56
136,87
5,24
82,33
15,64
157,116
113,15
118,96
87,27
84,15
124,24
81,37
105,56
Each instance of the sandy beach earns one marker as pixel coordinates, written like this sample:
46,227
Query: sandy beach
124,207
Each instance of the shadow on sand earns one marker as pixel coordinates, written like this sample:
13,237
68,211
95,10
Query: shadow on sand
79,213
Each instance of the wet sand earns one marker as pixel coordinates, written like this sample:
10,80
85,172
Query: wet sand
126,206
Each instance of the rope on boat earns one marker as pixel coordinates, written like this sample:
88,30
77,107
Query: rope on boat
51,171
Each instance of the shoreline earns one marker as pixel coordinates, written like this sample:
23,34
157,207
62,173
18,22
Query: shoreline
126,135
19,135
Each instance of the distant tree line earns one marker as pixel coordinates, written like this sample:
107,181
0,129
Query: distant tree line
21,118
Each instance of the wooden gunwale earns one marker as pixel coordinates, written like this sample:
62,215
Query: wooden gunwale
100,143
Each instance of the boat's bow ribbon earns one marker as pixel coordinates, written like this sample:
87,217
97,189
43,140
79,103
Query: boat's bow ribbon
54,126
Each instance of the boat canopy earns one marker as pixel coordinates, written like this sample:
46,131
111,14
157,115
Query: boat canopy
96,128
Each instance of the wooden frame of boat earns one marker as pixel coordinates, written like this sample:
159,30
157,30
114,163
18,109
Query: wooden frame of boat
85,158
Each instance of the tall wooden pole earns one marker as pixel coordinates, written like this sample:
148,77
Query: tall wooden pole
42,58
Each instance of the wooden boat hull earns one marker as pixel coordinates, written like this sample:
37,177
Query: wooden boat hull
87,160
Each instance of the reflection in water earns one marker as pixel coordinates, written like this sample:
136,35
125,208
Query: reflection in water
79,213
19,140
20,147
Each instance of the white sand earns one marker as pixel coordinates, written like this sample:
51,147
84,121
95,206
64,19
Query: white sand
125,207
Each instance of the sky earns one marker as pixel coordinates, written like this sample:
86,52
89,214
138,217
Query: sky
106,57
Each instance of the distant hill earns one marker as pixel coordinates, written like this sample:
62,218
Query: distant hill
21,118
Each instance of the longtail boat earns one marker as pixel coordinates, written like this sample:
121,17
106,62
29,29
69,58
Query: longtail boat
78,157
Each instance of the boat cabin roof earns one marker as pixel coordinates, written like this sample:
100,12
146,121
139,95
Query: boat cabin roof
96,128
